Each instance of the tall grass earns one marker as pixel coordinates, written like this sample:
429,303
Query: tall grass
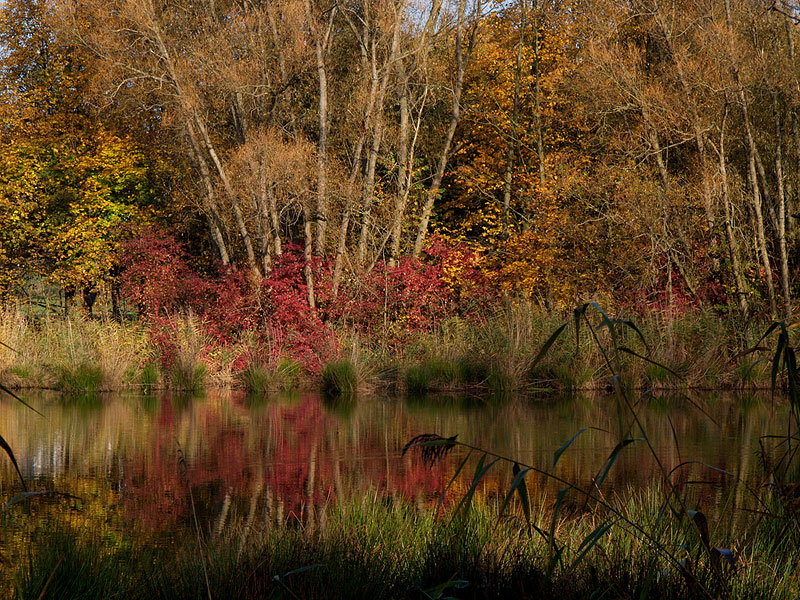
356,370
261,377
384,547
70,353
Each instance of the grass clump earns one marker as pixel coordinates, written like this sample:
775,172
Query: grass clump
259,378
385,547
340,378
81,379
432,375
183,353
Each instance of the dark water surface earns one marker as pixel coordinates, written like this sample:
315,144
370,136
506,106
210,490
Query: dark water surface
287,456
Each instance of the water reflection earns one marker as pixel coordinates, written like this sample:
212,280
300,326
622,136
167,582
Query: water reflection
278,457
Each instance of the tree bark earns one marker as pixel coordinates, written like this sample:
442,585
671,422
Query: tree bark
226,184
512,142
752,174
377,133
781,208
321,42
209,202
741,298
461,59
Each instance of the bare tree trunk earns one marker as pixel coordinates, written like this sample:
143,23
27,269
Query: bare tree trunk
308,254
405,187
691,104
321,42
237,212
275,219
537,97
273,27
752,176
266,229
377,133
209,202
406,153
403,169
726,201
461,60
341,246
512,142
787,301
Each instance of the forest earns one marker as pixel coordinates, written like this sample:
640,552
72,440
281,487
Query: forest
646,154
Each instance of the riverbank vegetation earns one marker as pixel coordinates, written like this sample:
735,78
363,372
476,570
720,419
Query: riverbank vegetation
492,351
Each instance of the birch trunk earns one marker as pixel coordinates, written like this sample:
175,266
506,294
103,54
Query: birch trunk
781,208
512,143
461,59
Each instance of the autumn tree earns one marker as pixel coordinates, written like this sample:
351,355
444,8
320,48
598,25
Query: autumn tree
68,184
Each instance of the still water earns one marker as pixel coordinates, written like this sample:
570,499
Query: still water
286,457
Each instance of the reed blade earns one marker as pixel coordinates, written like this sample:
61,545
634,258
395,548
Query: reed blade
4,445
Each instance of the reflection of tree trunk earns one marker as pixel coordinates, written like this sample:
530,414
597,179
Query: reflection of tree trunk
726,200
461,60
512,142
311,483
787,301
223,515
251,515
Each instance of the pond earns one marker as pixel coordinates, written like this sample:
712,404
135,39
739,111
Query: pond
286,457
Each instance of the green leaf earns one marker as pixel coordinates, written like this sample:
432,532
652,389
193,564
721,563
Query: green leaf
590,541
18,399
550,341
633,326
518,485
4,445
557,454
480,470
452,480
776,362
644,358
613,457
606,322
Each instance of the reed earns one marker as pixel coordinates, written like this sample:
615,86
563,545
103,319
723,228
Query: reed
187,371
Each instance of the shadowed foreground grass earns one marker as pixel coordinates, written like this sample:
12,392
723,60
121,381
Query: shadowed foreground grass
384,548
